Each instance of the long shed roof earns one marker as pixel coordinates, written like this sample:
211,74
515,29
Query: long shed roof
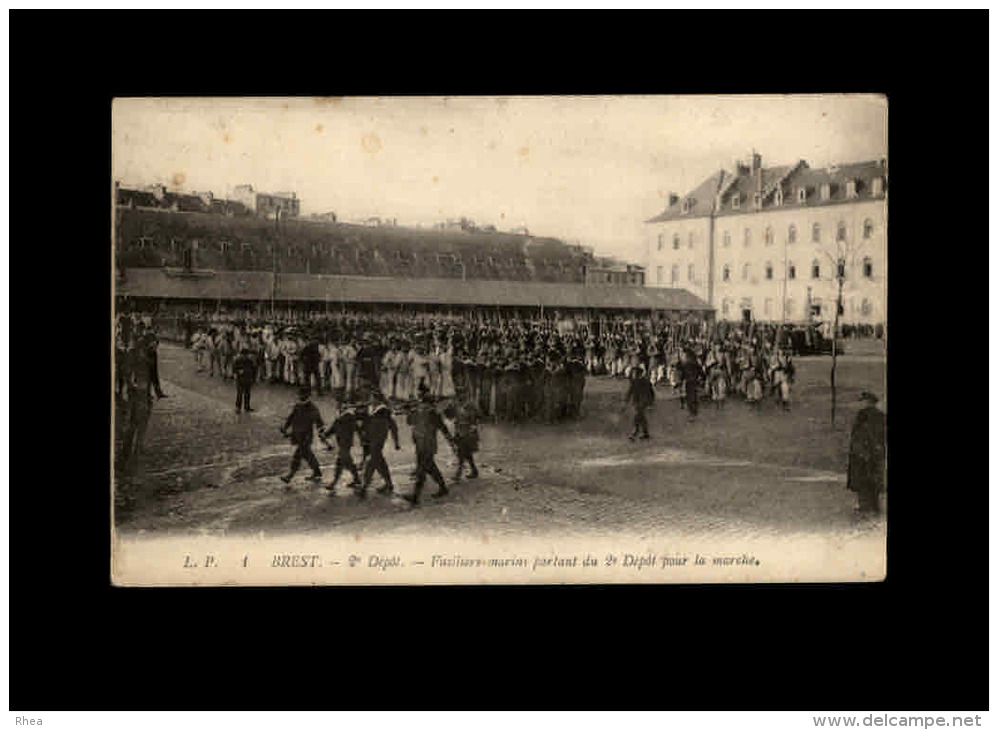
258,285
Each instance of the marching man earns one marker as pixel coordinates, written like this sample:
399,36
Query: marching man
302,422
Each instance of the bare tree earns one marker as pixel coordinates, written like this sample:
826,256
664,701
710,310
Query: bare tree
844,256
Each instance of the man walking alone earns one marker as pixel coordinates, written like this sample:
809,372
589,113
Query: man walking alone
642,394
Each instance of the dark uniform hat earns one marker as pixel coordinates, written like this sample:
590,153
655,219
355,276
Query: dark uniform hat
868,396
304,392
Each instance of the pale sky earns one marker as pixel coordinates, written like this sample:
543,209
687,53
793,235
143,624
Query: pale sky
586,169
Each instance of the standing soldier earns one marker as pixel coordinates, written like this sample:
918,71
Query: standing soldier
227,352
245,369
377,426
138,389
311,357
466,437
214,343
867,455
271,354
690,374
425,422
289,352
304,418
389,370
642,394
344,428
349,355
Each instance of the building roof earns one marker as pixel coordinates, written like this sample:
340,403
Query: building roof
790,178
702,196
257,286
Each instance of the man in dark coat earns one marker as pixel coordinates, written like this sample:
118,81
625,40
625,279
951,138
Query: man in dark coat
466,437
302,421
310,359
344,428
867,455
642,394
376,428
152,344
690,373
245,370
425,422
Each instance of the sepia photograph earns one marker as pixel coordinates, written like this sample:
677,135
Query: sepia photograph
476,340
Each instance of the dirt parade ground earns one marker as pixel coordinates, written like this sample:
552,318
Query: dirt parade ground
737,472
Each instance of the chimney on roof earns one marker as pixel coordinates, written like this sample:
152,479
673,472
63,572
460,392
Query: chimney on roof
756,162
673,199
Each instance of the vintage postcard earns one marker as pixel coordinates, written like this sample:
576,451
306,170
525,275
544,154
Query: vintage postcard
483,340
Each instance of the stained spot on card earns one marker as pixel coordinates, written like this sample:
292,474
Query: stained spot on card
371,143
179,178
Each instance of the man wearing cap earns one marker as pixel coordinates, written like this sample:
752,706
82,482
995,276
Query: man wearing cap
310,359
867,455
425,422
376,428
344,428
244,368
302,422
465,437
642,394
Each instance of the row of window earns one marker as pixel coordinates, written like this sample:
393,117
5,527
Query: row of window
792,270
800,193
841,232
768,269
728,308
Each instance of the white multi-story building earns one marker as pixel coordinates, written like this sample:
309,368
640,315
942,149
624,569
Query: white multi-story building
768,243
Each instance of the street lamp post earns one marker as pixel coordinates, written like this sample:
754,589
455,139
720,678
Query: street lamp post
273,286
840,274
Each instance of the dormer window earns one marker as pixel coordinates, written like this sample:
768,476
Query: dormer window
878,186
851,189
801,195
778,198
688,206
826,191
736,201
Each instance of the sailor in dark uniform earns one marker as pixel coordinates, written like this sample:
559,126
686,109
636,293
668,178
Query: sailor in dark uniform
376,428
304,418
425,422
344,428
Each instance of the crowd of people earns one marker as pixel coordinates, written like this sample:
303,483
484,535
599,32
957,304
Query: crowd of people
514,370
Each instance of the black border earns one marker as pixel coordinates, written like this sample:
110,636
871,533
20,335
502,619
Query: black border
911,642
